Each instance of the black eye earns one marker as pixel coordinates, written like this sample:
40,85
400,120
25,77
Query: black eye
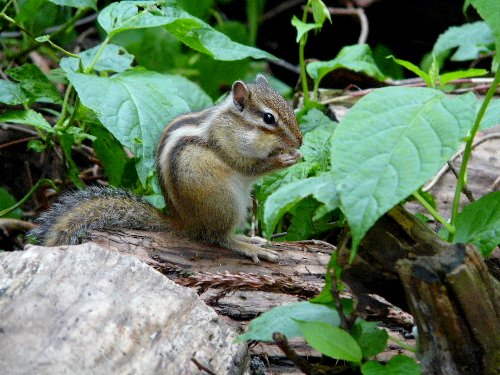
269,118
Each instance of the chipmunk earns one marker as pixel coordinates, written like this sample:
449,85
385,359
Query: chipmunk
206,163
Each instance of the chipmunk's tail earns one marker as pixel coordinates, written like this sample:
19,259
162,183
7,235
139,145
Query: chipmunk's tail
75,215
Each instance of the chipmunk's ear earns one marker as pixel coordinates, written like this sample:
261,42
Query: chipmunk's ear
261,80
240,94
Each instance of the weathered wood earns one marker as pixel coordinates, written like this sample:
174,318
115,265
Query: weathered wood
456,306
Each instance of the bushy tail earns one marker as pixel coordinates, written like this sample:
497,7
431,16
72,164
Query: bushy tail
75,215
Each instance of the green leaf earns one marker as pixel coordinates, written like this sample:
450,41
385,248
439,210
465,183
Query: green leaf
282,200
314,119
274,181
331,341
113,59
479,223
129,15
134,106
415,69
7,201
27,117
194,96
36,145
320,12
398,365
35,84
67,140
283,319
470,40
43,38
357,58
390,143
490,12
11,93
491,117
303,28
80,4
309,219
447,77
316,147
110,153
371,339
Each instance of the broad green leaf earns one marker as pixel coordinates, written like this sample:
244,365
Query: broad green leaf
80,4
67,140
309,219
134,106
11,93
490,12
27,117
113,58
316,147
303,28
331,341
282,319
459,74
282,200
398,365
415,69
357,58
491,117
194,96
110,153
7,201
371,339
35,84
37,15
479,223
390,143
469,40
129,15
313,119
274,181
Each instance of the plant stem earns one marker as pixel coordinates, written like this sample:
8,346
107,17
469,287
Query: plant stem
302,46
25,198
450,228
69,23
468,150
62,49
64,109
89,68
6,6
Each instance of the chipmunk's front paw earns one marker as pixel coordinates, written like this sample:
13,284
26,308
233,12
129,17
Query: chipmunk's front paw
288,159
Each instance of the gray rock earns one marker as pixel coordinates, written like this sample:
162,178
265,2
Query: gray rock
85,310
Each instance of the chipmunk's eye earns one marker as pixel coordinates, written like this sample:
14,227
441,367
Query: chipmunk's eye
269,118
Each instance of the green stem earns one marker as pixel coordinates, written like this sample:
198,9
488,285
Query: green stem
6,6
467,152
13,21
64,109
89,68
434,213
253,14
26,197
302,46
62,49
69,23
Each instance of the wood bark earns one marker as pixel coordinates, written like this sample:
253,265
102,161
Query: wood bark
451,292
456,305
